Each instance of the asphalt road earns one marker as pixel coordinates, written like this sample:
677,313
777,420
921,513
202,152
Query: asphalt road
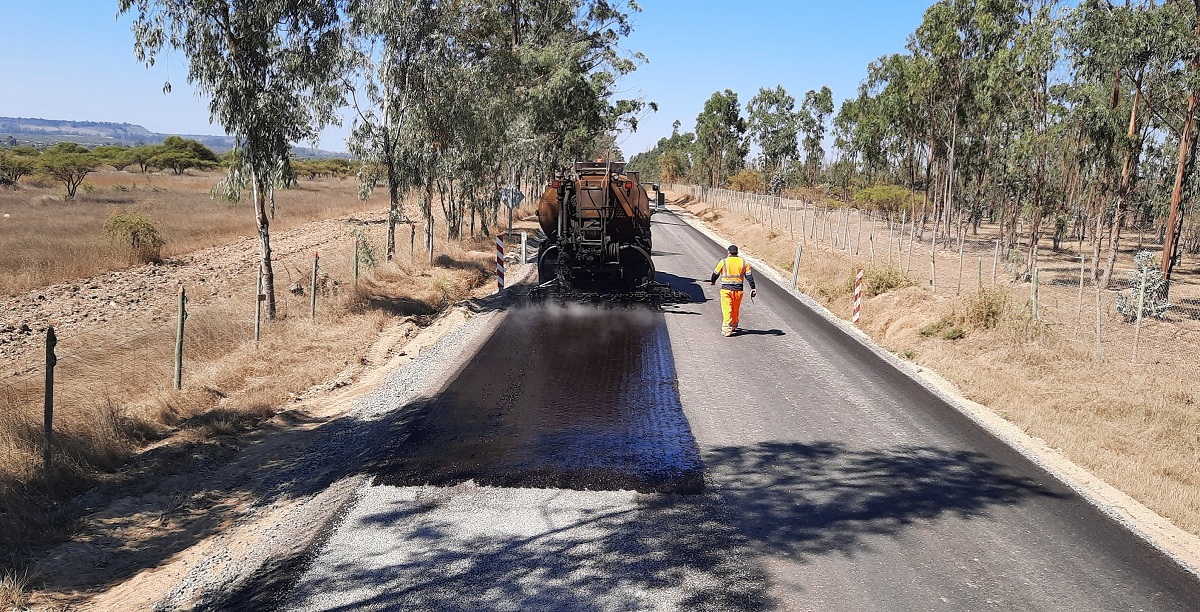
624,459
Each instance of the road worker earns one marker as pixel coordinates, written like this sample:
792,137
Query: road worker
733,272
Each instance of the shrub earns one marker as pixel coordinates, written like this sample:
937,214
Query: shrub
887,199
986,308
933,329
366,252
137,230
747,180
1145,288
880,280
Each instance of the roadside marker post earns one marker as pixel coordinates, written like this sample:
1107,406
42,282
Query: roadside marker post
313,298
858,286
499,264
524,247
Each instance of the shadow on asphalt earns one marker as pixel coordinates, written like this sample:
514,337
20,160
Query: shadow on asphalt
684,284
759,332
802,500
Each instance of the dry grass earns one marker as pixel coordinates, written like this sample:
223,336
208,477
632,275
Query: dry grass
1135,426
45,240
113,395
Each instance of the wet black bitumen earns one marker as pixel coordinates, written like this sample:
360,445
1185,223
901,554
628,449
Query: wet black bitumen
571,397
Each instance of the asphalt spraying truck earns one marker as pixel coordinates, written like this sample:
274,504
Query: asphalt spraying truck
598,246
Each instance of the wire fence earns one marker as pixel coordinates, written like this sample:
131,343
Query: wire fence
94,350
1057,287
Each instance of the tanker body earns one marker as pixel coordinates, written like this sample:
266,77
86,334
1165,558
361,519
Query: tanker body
596,219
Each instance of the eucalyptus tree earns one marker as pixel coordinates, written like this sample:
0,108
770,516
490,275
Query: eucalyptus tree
773,124
393,51
571,61
720,142
272,71
897,84
817,107
1132,45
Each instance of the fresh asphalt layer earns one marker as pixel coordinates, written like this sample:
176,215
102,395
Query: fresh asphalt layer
628,459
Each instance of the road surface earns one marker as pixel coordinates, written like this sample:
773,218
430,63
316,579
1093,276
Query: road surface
625,460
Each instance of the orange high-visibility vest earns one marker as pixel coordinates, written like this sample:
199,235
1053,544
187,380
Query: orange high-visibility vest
733,271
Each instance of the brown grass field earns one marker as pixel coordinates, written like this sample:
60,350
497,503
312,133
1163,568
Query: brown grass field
1136,425
113,395
188,217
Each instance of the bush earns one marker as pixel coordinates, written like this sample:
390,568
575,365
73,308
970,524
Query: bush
887,199
880,280
747,180
137,230
933,329
986,308
1145,282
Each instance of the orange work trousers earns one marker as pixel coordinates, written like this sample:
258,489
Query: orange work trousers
731,303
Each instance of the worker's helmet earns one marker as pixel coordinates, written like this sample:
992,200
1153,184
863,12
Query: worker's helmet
733,249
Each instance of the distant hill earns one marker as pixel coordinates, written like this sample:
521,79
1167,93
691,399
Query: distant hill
38,132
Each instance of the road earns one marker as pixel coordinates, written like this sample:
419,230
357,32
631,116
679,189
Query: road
626,459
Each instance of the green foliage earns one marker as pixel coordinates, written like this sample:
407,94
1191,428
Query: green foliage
13,166
887,199
720,146
747,180
817,107
1146,283
136,230
881,279
670,161
936,328
366,252
318,168
68,163
775,126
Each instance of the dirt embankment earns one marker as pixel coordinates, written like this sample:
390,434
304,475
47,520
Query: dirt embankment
179,467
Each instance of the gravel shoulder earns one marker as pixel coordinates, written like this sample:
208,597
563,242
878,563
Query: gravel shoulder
243,505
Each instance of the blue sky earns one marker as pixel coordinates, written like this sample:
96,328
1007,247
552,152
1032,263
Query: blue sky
73,59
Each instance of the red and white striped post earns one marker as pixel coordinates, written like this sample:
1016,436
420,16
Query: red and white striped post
499,264
858,282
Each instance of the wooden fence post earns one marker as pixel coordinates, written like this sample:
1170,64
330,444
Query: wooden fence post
960,267
51,361
259,298
796,265
179,338
1034,293
356,263
995,261
313,299
1137,329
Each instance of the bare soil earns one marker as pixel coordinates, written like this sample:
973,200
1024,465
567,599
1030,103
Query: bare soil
167,470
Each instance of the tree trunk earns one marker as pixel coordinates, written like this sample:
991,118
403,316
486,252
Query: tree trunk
264,242
1131,160
1186,146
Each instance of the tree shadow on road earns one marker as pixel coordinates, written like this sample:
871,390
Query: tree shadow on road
691,551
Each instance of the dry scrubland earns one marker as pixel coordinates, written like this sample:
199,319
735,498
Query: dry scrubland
113,384
45,240
1136,426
